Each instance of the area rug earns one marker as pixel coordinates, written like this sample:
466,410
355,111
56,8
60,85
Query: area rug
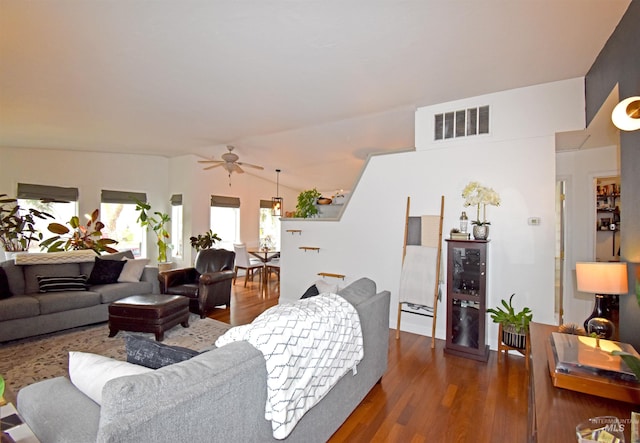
25,361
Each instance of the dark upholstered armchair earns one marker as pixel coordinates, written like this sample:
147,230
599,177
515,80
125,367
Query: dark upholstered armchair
207,284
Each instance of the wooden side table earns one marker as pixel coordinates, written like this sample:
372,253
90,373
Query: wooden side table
555,412
506,348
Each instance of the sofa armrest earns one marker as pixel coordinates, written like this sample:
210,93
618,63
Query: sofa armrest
176,277
213,277
56,410
150,274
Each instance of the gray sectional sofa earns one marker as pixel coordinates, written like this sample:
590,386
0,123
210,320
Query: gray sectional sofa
29,312
216,396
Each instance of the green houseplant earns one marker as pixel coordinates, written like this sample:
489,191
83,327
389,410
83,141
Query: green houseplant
17,229
515,325
631,360
306,203
204,241
77,236
157,222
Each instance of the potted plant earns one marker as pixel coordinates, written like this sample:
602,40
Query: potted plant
306,203
157,223
631,360
515,325
475,194
204,241
77,237
17,230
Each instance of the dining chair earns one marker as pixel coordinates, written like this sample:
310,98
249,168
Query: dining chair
243,261
273,266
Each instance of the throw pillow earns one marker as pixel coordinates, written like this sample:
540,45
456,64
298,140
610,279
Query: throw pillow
132,270
62,283
105,271
311,292
152,354
5,291
90,372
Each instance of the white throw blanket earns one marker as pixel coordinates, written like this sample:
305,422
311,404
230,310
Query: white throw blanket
308,346
418,278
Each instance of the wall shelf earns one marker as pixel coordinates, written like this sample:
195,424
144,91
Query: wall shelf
329,274
309,248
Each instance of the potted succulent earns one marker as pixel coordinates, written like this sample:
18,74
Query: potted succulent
515,325
306,203
204,241
157,222
77,237
17,229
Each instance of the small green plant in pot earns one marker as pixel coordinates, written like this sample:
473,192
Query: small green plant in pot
204,241
515,325
306,203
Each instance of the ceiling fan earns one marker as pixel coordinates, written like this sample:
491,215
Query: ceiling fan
229,162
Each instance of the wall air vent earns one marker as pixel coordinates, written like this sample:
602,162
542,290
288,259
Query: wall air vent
462,123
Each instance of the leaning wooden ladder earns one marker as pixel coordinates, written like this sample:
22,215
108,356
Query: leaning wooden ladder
431,312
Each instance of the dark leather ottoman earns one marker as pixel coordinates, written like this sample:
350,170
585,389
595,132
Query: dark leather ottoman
148,313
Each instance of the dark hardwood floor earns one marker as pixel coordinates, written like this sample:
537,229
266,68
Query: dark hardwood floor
425,395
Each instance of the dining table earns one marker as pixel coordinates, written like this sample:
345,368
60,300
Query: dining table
264,255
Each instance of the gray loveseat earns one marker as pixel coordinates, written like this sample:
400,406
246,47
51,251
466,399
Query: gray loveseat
29,312
217,396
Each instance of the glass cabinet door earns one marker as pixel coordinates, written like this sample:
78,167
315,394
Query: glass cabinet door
466,287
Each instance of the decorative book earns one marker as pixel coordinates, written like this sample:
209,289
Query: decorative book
586,365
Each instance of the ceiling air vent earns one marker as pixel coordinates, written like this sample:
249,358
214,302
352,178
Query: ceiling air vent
462,123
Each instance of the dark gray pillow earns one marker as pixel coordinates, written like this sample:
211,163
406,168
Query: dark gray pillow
5,291
105,271
152,354
62,283
311,292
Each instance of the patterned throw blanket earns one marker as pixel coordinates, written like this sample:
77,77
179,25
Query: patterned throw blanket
308,346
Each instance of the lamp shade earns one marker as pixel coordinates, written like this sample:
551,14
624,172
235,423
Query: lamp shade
602,278
626,114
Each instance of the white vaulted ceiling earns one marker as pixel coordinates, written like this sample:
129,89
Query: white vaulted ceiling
310,87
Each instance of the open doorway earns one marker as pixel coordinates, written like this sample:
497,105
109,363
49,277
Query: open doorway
608,223
560,250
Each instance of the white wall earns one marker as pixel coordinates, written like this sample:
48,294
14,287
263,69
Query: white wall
517,160
196,185
579,169
90,173
158,176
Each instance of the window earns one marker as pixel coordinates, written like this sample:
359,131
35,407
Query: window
176,225
61,203
269,226
225,220
119,215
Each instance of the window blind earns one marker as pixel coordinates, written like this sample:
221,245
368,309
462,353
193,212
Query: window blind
28,191
266,204
222,201
176,200
123,197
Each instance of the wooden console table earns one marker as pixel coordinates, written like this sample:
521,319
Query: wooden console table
555,412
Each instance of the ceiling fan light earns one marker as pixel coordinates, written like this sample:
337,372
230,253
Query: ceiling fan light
626,114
